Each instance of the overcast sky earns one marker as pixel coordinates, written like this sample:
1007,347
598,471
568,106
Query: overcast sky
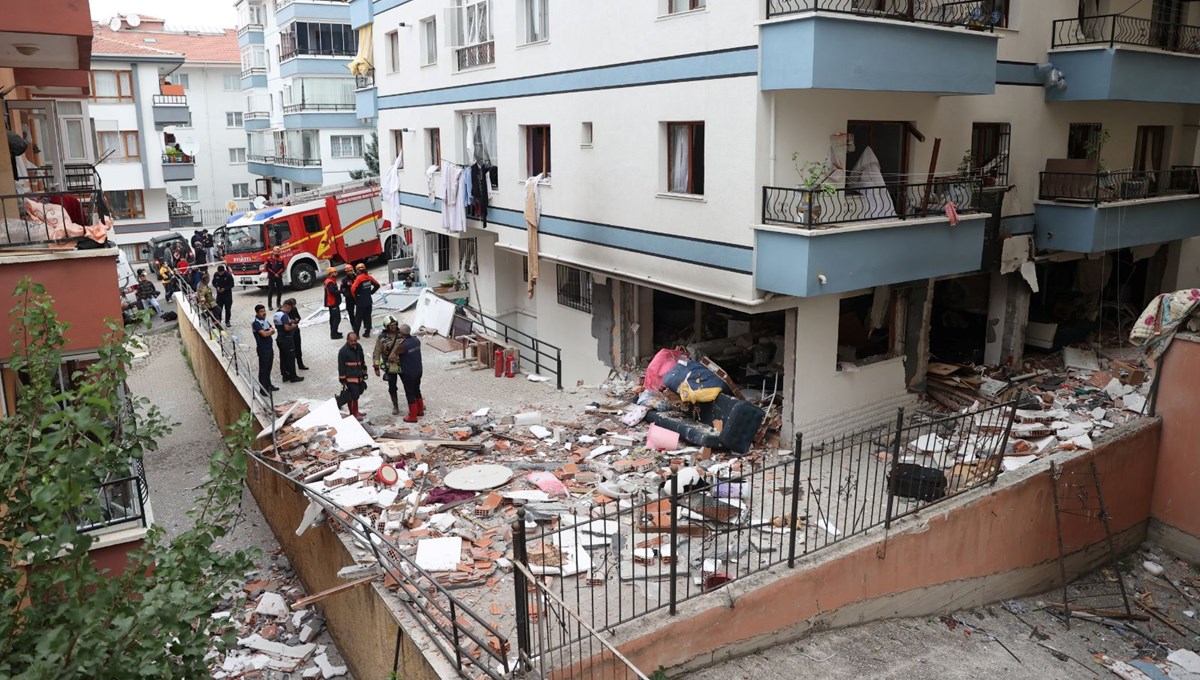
194,12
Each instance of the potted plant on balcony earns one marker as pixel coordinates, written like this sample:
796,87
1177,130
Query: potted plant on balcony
173,155
814,179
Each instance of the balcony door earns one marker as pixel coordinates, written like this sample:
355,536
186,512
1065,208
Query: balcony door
888,143
36,123
1148,155
1166,17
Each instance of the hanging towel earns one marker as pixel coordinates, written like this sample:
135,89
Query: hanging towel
429,175
454,218
390,191
533,215
952,213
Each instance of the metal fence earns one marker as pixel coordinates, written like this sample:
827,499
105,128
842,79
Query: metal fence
695,535
817,208
37,218
1126,185
1119,29
121,501
540,355
475,55
979,14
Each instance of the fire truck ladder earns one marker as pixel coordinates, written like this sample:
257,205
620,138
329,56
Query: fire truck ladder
1079,502
330,190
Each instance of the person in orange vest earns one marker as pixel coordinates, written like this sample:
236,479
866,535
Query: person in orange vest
333,302
363,289
275,269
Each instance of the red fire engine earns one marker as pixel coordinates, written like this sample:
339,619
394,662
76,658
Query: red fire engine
342,223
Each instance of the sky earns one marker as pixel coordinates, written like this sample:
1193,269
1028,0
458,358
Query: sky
195,12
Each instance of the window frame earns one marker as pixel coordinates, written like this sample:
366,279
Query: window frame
528,22
241,195
398,146
237,116
126,136
437,247
183,190
336,140
684,6
134,201
1079,137
124,79
429,42
574,287
998,140
393,51
543,157
236,80
691,183
235,161
433,146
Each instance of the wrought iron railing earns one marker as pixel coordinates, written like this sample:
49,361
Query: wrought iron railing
1118,29
822,209
977,14
285,160
254,71
537,354
362,82
37,218
1108,187
169,100
475,55
308,106
121,501
678,544
243,30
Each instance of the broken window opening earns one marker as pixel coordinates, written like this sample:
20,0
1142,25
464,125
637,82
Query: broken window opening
866,329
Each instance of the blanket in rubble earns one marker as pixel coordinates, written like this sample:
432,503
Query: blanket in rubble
1167,314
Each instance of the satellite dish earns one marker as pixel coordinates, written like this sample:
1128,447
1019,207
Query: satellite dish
114,24
231,206
133,20
259,202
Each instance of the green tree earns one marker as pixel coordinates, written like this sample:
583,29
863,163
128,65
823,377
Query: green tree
370,158
59,616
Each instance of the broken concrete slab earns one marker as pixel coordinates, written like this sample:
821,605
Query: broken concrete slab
439,554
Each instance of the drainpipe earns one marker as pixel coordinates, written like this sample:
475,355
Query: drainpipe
142,136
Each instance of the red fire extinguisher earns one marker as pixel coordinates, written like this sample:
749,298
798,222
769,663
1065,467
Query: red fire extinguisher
498,361
511,365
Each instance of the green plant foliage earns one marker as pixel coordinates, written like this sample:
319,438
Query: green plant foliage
370,158
59,616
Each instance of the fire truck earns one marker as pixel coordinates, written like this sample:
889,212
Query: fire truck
341,223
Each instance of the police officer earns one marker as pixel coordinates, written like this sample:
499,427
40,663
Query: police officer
295,314
333,302
262,342
284,338
275,269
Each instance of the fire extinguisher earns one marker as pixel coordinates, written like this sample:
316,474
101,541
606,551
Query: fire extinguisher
498,361
511,365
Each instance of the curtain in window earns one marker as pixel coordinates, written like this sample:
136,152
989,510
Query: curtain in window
679,140
430,42
361,63
106,84
536,20
479,137
327,90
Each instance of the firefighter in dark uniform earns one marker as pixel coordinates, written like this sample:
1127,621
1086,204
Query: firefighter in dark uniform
275,269
346,286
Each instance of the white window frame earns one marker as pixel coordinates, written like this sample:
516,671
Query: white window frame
673,7
234,153
338,149
232,78
184,80
466,131
534,21
241,190
463,28
234,119
429,44
393,51
194,198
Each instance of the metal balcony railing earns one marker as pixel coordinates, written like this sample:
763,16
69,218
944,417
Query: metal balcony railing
1118,29
285,161
37,218
122,501
364,82
280,4
1108,187
818,209
176,159
318,108
254,71
976,14
292,53
475,55
249,28
169,100
256,115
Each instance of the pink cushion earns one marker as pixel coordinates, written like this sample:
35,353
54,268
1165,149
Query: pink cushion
58,224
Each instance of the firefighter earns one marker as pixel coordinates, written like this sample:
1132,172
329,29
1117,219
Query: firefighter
348,295
333,302
363,289
275,269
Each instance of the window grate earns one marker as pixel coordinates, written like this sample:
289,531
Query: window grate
990,143
574,288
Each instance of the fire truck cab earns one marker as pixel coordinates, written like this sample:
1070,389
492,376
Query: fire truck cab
344,224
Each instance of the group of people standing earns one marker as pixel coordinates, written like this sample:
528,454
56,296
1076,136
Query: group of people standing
284,326
356,288
397,357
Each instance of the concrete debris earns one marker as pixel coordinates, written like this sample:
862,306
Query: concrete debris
328,670
272,604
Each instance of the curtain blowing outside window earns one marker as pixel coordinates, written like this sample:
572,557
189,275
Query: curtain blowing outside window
680,158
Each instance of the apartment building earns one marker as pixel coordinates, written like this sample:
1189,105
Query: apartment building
825,194
167,112
302,131
46,79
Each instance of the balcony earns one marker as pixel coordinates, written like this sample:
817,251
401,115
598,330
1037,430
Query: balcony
250,34
170,109
814,243
1116,57
309,107
298,170
473,56
178,167
363,82
291,10
256,120
180,213
362,13
905,46
1097,212
123,503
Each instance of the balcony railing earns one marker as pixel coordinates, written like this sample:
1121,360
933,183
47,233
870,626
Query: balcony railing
254,71
169,100
177,158
280,4
364,82
180,213
292,53
285,161
977,14
306,106
243,30
1109,187
121,502
37,218
256,115
1117,29
475,55
819,209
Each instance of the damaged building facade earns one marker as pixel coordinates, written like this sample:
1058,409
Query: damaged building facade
822,196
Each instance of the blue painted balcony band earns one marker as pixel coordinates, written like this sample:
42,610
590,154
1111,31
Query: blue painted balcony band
366,103
362,13
249,82
320,11
250,37
301,65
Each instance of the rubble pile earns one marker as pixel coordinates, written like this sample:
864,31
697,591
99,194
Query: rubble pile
276,633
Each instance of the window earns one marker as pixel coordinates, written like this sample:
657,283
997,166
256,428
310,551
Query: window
189,193
124,145
241,190
574,288
1083,140
585,136
525,269
677,6
111,86
989,152
278,233
479,137
232,82
125,204
685,158
864,333
438,247
237,155
536,19
75,149
347,146
398,146
183,80
433,142
233,119
393,52
537,150
317,39
253,59
470,33
312,224
429,41
468,258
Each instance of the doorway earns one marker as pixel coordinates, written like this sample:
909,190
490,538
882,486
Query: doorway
1148,154
1166,18
887,143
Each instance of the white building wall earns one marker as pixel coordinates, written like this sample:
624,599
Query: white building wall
212,138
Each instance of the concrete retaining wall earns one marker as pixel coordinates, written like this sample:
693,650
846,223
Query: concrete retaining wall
361,622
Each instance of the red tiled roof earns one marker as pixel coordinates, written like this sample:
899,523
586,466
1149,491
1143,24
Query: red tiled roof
195,47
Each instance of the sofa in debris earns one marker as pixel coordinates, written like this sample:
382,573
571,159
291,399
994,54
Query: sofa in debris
739,423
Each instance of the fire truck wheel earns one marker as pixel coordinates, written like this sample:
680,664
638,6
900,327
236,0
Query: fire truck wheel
304,275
